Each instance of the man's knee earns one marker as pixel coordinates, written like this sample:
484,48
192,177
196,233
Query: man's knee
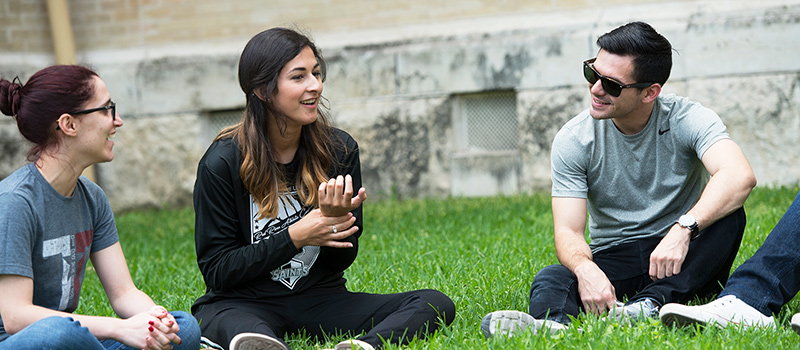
552,274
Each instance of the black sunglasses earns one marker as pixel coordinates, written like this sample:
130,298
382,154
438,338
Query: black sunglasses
611,86
112,106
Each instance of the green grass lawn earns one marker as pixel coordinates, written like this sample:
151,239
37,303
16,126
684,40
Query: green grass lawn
482,252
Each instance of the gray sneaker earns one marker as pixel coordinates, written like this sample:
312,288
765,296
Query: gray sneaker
635,311
509,322
256,341
796,323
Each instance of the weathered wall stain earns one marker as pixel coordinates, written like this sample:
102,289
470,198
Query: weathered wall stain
506,76
13,148
395,155
541,118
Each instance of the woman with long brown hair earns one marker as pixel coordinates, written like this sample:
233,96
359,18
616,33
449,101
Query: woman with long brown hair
52,220
278,217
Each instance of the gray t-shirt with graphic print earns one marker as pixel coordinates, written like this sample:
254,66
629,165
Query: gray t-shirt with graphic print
48,237
637,185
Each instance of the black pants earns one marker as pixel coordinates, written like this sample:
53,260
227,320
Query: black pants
554,292
395,318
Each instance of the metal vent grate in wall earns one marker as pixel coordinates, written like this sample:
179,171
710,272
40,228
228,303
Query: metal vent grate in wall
215,121
486,123
222,119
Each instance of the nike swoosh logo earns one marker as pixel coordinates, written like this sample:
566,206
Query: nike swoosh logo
661,132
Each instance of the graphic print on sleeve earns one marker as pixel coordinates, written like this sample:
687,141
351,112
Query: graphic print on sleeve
290,210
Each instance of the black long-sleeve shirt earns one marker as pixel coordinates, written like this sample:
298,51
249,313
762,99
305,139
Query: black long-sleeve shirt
245,258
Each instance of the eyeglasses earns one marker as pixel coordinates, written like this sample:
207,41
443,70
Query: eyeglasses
112,106
611,86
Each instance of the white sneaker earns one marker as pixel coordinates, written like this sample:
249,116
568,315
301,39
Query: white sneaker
255,341
509,322
635,312
721,312
354,344
796,323
207,344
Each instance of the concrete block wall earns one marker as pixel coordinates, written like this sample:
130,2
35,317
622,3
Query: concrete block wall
394,87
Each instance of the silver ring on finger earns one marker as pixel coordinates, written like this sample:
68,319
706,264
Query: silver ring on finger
334,228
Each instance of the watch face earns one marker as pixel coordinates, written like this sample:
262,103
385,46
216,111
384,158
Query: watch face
686,220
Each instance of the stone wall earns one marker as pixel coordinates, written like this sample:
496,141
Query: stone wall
397,89
119,24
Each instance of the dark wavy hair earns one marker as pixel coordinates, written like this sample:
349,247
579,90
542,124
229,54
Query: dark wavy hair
651,51
39,103
259,66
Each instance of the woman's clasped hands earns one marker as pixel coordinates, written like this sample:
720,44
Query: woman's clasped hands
151,330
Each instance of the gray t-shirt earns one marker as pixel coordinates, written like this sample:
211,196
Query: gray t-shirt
637,185
48,237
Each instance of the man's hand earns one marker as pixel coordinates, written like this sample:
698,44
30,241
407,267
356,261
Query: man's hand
666,260
596,291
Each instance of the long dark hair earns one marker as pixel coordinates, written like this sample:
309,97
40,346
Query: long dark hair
262,60
39,103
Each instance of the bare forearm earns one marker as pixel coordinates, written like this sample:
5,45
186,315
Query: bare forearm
100,327
724,193
731,181
131,303
572,250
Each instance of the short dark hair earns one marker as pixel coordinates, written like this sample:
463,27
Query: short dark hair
651,51
39,103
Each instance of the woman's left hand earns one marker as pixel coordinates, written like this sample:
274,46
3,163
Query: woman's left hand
336,196
168,323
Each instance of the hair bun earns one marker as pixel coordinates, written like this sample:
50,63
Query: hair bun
9,96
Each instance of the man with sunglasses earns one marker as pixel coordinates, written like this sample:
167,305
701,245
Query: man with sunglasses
663,185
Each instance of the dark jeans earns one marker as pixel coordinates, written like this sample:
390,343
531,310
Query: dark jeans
771,277
394,318
554,293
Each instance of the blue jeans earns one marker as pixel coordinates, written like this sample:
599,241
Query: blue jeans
771,277
554,292
64,333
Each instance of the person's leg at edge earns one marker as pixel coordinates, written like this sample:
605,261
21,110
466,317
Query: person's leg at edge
771,277
393,318
54,332
707,265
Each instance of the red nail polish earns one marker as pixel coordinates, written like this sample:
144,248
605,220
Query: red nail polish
152,323
150,328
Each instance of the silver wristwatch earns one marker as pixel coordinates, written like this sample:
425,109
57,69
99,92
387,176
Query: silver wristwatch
688,221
